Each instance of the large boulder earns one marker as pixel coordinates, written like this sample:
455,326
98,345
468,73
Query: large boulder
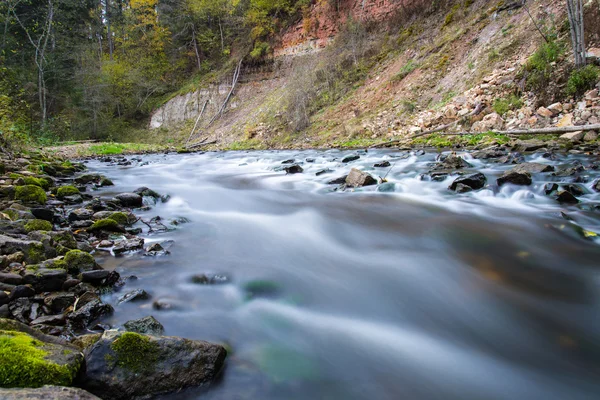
46,393
123,365
358,178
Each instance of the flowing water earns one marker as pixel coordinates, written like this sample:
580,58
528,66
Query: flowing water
419,293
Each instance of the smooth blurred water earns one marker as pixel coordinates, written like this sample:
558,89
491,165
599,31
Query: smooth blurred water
417,294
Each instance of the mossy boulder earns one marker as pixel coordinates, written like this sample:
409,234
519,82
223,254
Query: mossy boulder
78,261
66,191
38,225
64,238
108,225
30,194
30,362
34,251
121,218
124,365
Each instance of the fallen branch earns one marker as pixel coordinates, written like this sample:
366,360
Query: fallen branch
539,131
478,109
236,76
196,124
202,143
514,132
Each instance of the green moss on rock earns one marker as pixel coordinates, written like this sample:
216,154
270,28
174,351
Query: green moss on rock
24,364
134,352
30,180
78,261
120,217
38,225
36,253
30,193
107,224
65,191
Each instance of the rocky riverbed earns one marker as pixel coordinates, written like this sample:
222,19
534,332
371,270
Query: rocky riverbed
51,287
320,271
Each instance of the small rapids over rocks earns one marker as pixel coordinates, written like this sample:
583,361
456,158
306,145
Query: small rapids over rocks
403,289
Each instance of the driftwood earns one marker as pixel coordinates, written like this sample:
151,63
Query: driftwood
540,131
200,144
196,124
236,77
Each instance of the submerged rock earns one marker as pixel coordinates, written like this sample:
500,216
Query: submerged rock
122,365
350,158
382,164
293,169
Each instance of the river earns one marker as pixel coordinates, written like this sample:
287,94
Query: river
420,293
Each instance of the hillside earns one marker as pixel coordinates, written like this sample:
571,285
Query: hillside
401,68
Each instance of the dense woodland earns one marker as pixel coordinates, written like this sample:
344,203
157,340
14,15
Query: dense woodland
91,68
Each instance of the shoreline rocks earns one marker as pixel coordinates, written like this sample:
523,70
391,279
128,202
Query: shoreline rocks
50,286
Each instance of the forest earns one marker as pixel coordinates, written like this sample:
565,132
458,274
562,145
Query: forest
92,68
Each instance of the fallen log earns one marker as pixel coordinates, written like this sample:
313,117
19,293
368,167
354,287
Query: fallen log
515,132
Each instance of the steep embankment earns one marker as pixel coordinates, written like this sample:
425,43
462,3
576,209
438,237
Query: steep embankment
403,67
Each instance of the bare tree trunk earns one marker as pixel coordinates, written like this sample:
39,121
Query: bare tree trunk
222,40
575,11
109,30
195,44
40,56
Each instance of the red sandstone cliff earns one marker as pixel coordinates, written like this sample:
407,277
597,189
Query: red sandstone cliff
324,18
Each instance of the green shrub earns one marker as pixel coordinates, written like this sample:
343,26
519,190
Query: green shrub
582,79
539,66
65,191
30,193
502,106
409,67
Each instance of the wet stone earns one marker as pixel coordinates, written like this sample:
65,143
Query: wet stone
147,325
134,295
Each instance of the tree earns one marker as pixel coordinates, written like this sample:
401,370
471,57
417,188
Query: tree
575,11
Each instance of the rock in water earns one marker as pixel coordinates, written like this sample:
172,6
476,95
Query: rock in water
294,169
350,158
358,178
148,325
473,181
533,168
130,199
123,365
516,178
47,393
